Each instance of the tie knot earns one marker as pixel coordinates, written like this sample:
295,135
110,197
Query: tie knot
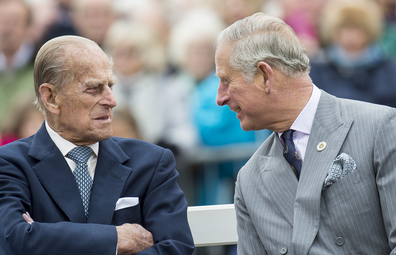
288,135
80,154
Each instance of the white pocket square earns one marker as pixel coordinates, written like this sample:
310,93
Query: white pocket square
125,202
340,167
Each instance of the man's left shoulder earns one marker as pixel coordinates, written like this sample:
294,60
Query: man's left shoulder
130,145
365,109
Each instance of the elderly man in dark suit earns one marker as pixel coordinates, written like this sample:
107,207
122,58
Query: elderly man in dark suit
72,188
325,181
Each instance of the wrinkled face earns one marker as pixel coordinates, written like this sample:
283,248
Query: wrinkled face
85,106
248,100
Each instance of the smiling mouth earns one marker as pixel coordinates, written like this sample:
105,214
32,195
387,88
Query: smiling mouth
237,110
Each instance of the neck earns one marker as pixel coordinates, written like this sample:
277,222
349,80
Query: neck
295,94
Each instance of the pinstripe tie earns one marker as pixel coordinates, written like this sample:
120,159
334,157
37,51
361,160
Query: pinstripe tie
80,155
290,152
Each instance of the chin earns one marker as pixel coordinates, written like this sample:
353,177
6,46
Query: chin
245,127
100,136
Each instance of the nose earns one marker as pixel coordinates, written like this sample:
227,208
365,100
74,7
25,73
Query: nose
222,94
109,98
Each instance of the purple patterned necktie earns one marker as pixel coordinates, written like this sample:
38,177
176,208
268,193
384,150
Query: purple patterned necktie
290,152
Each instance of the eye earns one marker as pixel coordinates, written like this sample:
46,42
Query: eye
93,89
225,81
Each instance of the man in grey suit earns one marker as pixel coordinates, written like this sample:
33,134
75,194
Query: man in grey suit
342,199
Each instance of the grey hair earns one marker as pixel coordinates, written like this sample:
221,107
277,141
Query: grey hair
53,64
261,37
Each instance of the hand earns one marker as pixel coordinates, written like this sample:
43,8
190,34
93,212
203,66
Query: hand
27,218
133,238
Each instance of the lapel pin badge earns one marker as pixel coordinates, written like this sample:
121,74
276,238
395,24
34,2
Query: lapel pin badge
321,146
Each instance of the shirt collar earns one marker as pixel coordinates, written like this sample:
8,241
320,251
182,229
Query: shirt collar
304,120
64,145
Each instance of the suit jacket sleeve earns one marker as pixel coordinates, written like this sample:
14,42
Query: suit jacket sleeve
385,167
248,240
43,238
164,211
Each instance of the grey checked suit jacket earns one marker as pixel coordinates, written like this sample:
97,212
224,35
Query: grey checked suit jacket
356,215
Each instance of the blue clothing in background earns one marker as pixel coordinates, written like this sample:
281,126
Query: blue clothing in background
217,125
221,134
372,78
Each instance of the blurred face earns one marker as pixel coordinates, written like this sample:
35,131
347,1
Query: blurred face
127,59
31,123
94,21
248,100
352,39
13,26
85,106
238,9
200,58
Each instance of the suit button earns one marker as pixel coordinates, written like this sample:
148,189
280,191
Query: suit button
283,250
339,241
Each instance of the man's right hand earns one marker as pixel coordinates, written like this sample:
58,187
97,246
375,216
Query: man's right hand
133,238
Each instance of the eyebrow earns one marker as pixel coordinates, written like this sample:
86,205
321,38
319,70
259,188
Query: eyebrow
218,75
95,83
223,79
91,84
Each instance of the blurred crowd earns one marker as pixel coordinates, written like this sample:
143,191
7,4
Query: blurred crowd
164,61
163,53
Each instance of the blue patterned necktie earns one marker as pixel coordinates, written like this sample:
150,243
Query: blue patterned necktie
290,152
80,155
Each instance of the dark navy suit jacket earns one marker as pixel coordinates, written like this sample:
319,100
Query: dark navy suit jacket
35,177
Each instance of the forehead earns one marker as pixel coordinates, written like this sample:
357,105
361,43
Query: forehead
88,61
222,59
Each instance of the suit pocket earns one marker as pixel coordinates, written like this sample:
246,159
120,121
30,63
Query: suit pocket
127,215
342,186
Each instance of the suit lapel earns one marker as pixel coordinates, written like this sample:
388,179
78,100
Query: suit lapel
279,179
328,127
54,174
110,178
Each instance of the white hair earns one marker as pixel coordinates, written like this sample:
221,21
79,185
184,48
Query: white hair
261,37
197,24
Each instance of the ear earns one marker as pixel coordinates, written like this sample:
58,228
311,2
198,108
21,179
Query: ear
49,98
267,73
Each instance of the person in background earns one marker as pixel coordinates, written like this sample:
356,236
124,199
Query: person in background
93,18
222,146
24,120
353,61
324,181
61,22
16,54
388,38
303,17
44,16
234,10
72,188
124,124
142,87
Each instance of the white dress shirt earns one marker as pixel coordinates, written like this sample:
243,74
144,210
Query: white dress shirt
65,146
303,123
